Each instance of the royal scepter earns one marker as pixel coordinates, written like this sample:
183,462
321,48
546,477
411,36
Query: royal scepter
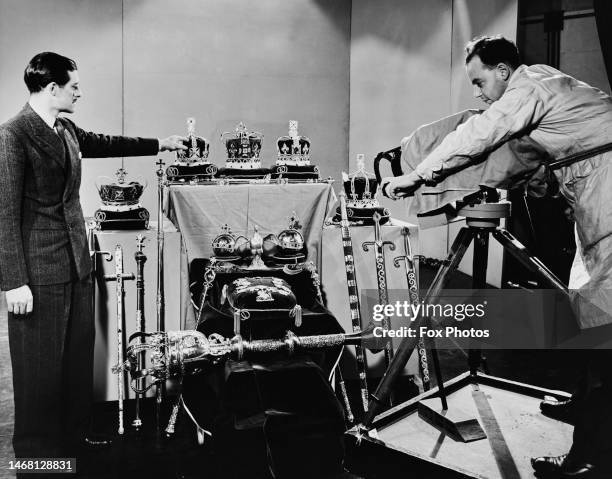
381,277
140,258
353,291
175,354
160,302
119,277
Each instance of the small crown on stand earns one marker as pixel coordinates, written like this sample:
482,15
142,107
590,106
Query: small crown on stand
360,187
243,148
293,149
197,147
119,193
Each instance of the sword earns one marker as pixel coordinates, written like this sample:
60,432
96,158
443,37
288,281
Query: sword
119,277
381,276
410,262
353,291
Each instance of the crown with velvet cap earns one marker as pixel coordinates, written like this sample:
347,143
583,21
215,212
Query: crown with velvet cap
197,147
243,148
360,187
119,192
293,149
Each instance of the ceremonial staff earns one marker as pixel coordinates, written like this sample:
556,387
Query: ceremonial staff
351,281
381,277
160,276
119,277
140,258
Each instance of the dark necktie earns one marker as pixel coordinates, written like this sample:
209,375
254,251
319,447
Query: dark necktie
61,132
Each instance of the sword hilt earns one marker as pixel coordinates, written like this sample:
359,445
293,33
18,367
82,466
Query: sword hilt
107,255
114,277
366,245
408,261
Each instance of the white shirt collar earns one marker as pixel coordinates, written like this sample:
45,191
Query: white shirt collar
48,118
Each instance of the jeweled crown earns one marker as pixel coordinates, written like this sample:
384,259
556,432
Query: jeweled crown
243,148
119,192
293,149
197,147
360,187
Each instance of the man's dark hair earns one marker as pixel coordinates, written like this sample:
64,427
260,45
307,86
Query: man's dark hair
45,68
492,51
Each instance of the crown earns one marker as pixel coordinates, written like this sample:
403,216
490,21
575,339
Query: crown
119,193
360,187
293,149
197,147
243,148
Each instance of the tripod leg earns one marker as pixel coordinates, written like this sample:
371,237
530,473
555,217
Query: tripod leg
479,281
404,351
516,249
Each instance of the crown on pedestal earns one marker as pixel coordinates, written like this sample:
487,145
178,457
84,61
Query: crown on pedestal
119,193
243,148
197,147
360,186
293,149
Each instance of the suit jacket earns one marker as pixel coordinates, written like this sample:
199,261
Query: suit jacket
42,230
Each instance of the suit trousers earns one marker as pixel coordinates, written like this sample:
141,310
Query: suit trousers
52,356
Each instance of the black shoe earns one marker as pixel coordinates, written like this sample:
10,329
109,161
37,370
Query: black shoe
548,464
560,467
560,410
96,441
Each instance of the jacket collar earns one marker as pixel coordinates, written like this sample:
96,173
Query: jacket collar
44,136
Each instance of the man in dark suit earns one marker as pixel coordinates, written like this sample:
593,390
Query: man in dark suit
44,257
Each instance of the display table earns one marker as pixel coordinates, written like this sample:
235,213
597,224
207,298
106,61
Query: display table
335,290
105,383
200,211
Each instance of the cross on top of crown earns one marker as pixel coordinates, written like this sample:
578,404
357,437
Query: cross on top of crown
121,173
191,126
294,222
160,163
226,229
241,130
360,162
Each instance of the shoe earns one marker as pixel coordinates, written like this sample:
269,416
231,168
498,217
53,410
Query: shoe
96,441
560,467
560,410
548,464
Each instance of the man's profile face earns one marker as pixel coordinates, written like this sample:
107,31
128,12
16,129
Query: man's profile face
66,96
489,83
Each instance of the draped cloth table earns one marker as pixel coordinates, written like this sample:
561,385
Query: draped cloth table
200,211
